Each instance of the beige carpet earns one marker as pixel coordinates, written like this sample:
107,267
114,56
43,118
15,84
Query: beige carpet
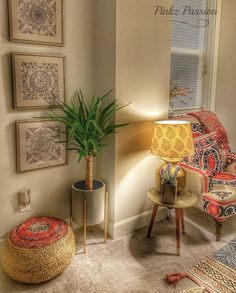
134,263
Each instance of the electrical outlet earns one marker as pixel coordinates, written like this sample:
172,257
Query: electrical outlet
24,200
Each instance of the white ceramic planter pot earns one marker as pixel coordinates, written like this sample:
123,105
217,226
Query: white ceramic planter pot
94,201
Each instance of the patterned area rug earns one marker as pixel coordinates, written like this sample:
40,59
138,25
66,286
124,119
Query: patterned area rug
217,273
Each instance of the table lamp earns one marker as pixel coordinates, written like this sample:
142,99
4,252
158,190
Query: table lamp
172,141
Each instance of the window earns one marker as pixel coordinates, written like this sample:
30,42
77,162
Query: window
189,54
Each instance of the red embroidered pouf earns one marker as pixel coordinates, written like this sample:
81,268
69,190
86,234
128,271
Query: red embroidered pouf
38,250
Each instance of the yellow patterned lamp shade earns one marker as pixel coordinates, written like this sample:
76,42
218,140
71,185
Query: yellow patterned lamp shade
172,139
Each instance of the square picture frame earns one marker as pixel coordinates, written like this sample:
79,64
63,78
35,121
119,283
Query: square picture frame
37,22
37,144
38,79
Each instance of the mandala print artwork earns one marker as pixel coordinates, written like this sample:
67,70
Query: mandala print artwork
39,144
39,81
37,21
37,17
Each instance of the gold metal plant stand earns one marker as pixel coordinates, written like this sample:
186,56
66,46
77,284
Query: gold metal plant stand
85,212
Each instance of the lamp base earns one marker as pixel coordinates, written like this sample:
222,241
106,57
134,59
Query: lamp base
181,176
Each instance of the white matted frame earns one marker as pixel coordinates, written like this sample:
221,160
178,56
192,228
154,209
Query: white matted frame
38,21
38,79
40,144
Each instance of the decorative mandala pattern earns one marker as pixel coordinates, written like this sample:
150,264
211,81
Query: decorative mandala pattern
230,159
197,128
38,232
39,81
196,159
213,209
213,154
225,176
41,144
230,210
223,180
212,161
205,140
218,210
37,17
207,153
211,123
221,193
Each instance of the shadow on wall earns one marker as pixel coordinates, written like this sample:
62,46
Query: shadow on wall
133,149
7,81
135,137
142,113
10,152
135,169
4,19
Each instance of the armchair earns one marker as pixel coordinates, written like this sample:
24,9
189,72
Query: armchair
211,172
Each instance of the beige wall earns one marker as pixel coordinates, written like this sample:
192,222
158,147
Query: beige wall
225,102
142,77
50,187
143,52
109,44
104,80
132,55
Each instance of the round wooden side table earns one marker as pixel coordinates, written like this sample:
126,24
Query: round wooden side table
185,199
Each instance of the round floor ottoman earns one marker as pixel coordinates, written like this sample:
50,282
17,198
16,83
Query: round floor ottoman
38,250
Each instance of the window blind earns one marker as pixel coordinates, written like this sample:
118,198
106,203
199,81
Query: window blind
187,53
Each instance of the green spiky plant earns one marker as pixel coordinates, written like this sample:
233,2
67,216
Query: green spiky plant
87,126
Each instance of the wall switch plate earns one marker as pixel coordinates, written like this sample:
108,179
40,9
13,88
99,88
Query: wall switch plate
24,200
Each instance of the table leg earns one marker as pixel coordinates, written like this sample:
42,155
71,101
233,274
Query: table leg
177,220
85,223
182,220
154,212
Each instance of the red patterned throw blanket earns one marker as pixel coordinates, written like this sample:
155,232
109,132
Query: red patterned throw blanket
217,273
211,123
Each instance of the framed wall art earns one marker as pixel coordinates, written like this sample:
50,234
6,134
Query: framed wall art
37,21
38,144
38,79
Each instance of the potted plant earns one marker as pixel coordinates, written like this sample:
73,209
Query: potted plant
169,184
87,126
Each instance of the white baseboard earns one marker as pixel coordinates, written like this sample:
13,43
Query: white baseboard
137,222
129,225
